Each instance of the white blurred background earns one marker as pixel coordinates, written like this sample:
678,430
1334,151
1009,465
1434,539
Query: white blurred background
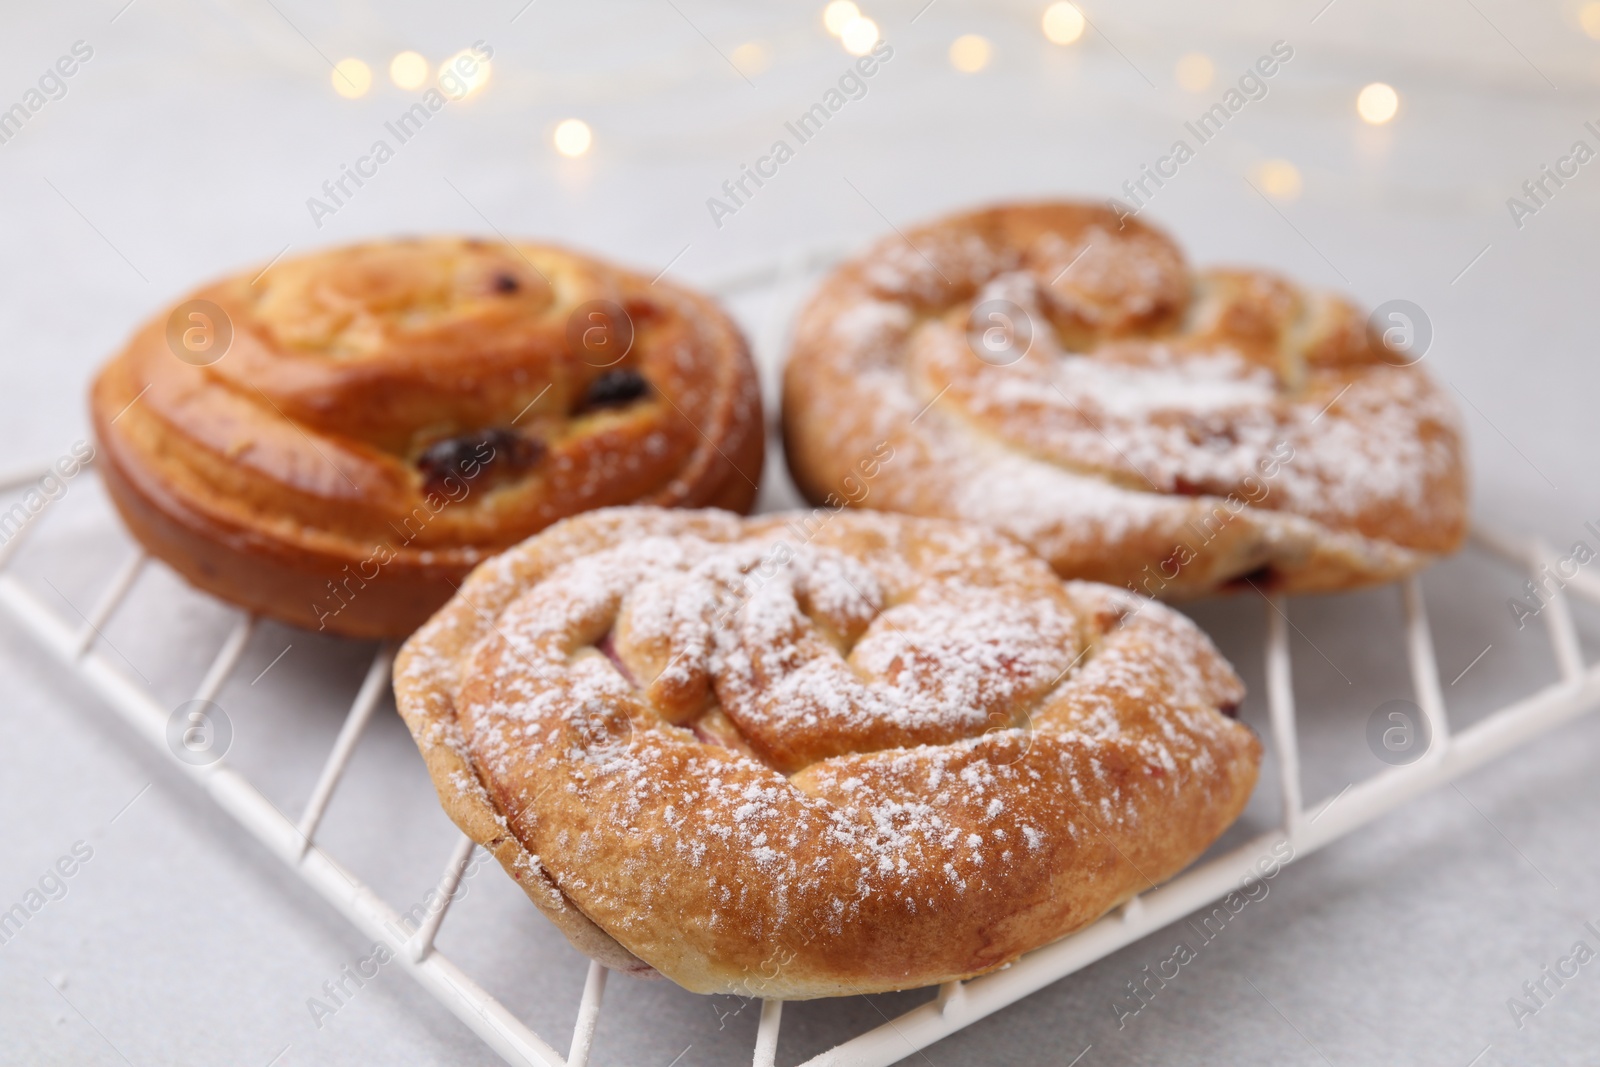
187,145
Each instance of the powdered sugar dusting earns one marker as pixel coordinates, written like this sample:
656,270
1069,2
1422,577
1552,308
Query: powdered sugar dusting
1147,397
897,718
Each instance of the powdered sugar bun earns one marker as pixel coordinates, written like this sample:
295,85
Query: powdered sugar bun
1065,377
796,757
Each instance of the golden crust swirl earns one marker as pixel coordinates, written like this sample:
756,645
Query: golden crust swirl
803,756
1138,423
389,414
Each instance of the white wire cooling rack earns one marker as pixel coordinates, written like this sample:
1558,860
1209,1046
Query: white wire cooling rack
956,1004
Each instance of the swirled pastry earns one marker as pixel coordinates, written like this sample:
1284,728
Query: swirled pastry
1068,379
338,440
804,756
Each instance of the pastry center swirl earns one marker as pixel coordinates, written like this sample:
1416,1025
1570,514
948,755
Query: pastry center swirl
788,655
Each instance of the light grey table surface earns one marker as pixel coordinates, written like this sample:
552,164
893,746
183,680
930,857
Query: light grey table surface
187,146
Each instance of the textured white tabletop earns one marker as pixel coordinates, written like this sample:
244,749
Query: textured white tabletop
187,144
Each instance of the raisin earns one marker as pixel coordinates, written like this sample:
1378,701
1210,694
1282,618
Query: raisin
1262,579
615,388
470,456
506,282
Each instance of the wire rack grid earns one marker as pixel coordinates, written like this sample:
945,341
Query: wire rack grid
956,1004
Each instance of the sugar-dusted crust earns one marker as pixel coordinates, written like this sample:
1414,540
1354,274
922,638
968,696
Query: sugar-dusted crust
329,470
1172,431
803,756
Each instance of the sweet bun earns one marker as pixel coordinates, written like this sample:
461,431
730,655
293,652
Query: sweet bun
337,440
1060,373
815,755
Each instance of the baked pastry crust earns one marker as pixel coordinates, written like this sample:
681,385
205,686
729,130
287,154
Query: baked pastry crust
814,755
389,414
1170,431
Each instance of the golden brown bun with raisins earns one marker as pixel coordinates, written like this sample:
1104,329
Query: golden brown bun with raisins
335,442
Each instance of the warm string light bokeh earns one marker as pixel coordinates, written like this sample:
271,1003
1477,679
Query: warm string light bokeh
859,36
1194,71
1278,178
751,58
572,137
839,14
970,53
351,78
408,70
1062,22
1377,103
464,73
1589,19
844,20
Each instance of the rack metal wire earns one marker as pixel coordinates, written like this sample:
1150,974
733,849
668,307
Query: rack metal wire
956,1004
